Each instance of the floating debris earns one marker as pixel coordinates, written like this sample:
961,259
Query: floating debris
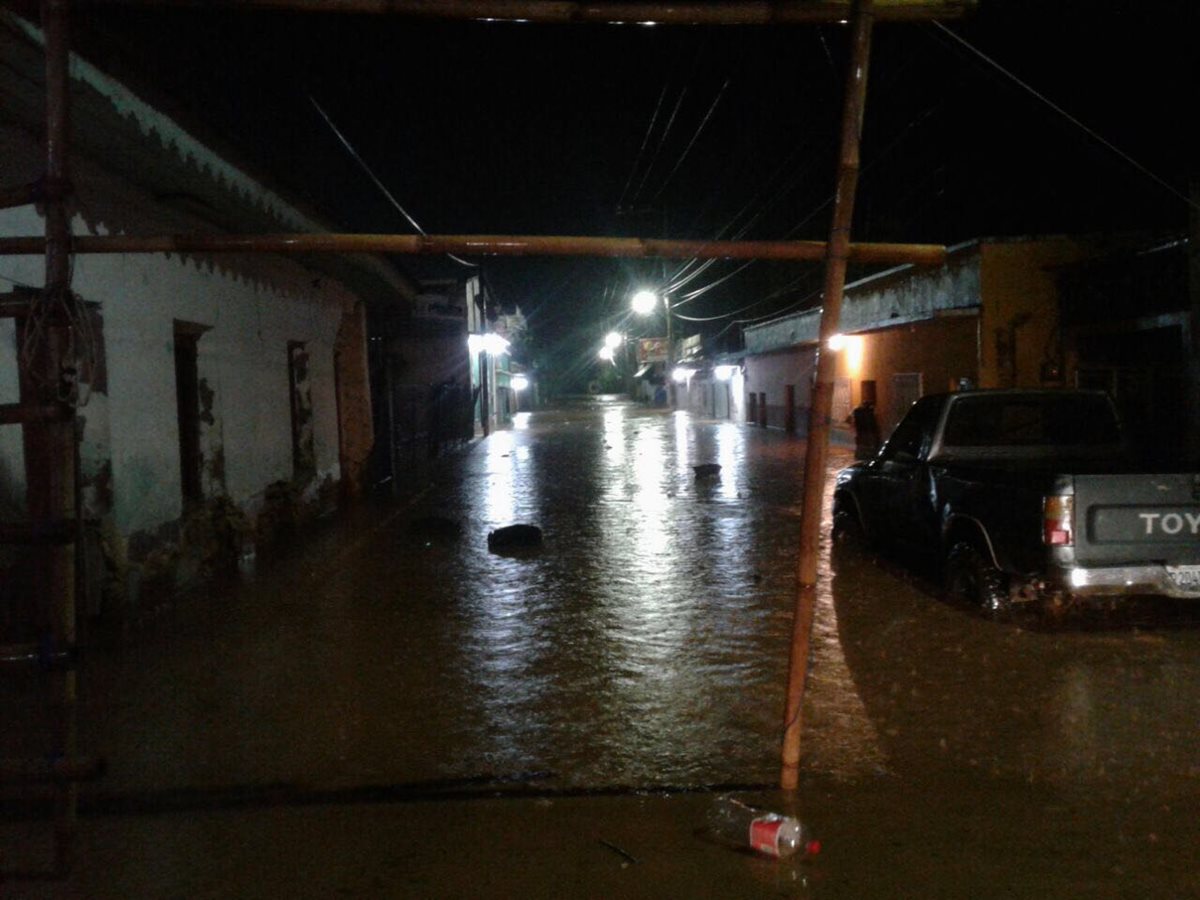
514,537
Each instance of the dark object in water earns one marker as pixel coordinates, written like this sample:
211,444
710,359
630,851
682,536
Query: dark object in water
514,537
707,470
437,528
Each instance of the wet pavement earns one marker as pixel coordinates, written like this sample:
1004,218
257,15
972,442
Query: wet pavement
391,710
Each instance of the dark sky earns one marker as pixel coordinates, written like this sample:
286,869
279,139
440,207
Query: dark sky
529,129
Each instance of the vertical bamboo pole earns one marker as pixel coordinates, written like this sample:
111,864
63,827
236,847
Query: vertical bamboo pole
50,473
822,401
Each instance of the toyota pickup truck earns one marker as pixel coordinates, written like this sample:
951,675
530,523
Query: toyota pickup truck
1025,497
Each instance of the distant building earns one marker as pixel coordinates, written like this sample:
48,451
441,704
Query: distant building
420,380
1015,312
492,336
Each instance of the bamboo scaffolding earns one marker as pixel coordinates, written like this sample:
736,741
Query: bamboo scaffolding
482,245
822,395
774,12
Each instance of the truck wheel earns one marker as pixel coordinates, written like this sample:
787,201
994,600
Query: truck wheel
848,534
972,579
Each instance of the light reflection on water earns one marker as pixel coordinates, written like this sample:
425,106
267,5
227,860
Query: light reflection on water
645,643
651,637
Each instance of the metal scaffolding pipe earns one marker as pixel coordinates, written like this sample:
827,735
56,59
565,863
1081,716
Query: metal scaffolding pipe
778,12
481,245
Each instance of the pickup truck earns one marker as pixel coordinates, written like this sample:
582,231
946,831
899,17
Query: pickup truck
1025,497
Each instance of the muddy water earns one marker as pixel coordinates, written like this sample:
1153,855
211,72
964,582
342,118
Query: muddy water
645,643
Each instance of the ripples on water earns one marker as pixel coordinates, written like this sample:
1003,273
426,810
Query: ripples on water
644,644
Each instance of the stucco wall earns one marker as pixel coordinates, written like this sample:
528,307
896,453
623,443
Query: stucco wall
1020,313
940,350
251,310
242,360
770,373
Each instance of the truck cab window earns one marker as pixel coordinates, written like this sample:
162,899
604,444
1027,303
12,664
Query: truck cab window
915,431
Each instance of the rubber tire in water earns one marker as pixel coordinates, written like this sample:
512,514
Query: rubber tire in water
848,532
970,577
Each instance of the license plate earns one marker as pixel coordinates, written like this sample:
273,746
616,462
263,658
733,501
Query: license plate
1185,578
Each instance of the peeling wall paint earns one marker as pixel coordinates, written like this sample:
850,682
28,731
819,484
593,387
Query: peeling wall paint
251,309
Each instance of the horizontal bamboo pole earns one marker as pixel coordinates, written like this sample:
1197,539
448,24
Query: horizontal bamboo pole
480,245
779,12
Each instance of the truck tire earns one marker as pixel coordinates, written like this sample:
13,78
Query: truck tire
848,533
970,578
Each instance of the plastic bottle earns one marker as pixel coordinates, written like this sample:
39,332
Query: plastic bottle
769,833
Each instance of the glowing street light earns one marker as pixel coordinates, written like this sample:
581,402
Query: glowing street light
645,302
519,382
606,354
613,340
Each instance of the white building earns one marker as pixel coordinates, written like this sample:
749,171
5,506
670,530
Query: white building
226,388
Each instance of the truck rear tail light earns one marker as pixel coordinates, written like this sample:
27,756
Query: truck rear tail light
1057,513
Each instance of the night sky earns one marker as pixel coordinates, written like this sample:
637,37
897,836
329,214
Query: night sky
529,129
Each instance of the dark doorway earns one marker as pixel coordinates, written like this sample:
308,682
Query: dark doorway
187,405
304,458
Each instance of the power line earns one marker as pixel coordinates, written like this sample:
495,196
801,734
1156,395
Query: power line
692,142
645,140
379,184
670,123
1091,132
661,142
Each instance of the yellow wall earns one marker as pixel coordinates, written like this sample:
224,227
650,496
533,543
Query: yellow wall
943,350
1019,308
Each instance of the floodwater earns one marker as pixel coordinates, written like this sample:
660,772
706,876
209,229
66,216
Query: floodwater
643,647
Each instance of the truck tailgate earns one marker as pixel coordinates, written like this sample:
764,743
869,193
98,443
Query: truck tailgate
1137,518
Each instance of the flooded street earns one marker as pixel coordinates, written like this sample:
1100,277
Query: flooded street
644,647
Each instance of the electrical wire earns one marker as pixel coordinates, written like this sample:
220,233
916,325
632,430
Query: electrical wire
645,141
379,184
661,142
688,149
1091,132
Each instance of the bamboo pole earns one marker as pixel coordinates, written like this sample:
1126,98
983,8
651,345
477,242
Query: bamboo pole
49,446
482,245
822,399
766,12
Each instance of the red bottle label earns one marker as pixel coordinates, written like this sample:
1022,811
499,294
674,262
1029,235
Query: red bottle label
764,835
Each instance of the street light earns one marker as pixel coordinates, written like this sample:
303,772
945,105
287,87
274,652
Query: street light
613,340
644,302
606,354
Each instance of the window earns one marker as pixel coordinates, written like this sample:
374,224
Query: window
1031,421
915,432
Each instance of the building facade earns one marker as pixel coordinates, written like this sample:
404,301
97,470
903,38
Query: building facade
223,397
987,318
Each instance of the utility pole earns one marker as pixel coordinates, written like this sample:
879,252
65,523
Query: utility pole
670,368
